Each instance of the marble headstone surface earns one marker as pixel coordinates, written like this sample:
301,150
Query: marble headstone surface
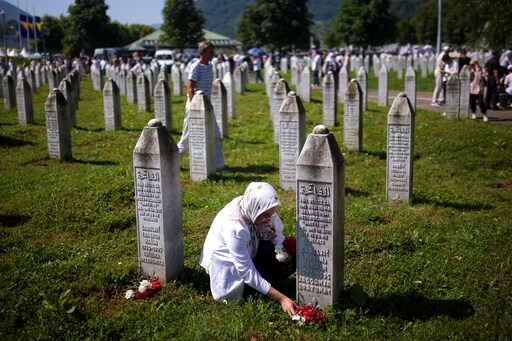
400,151
320,216
158,205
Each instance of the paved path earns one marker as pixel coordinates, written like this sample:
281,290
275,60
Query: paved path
423,100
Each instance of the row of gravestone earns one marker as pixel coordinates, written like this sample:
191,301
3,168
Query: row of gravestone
318,177
19,94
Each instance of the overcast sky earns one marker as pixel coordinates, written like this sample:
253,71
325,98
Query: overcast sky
125,11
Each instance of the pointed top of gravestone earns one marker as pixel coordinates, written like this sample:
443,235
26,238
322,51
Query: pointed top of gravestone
401,106
320,129
154,123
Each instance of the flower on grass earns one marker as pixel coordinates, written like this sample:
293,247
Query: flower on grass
286,250
307,314
146,289
129,294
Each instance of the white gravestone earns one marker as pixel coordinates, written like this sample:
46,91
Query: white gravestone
228,82
239,83
305,84
330,101
280,92
31,79
9,88
122,81
410,86
151,79
163,103
284,65
362,80
353,117
400,151
74,78
343,82
143,94
274,79
131,87
292,134
58,126
320,219
201,124
37,75
67,90
269,71
112,105
464,78
400,68
220,106
156,166
24,101
453,97
383,86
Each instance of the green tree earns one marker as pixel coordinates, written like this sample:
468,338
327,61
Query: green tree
183,24
476,23
363,23
425,23
88,27
278,24
406,32
138,31
52,32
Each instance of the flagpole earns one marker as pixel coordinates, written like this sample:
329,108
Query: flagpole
35,28
19,22
28,24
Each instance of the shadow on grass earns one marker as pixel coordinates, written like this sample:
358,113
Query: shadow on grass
410,306
355,193
419,198
414,306
10,142
258,169
96,130
197,278
244,174
12,220
382,155
94,162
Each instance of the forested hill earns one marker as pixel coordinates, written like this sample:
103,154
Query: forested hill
223,15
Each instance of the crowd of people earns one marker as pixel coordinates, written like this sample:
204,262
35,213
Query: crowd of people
487,81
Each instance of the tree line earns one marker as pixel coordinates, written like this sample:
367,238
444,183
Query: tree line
287,24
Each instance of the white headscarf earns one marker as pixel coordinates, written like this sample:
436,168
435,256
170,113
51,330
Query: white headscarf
258,198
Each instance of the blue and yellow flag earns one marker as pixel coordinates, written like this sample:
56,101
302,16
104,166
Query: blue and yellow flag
23,26
30,27
38,27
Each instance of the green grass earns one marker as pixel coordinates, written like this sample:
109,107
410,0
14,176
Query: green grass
439,268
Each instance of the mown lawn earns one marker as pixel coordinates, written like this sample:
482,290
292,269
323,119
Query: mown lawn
439,268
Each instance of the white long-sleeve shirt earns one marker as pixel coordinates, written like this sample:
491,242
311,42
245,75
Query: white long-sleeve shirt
227,254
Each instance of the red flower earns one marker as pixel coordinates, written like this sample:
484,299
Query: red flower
310,314
155,286
290,245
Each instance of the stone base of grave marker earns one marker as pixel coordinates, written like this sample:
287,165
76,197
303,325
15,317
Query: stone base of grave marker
400,151
320,219
158,202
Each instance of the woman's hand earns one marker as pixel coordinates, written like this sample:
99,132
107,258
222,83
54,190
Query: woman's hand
287,304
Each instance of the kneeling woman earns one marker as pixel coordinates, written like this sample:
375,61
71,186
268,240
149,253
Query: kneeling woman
239,248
